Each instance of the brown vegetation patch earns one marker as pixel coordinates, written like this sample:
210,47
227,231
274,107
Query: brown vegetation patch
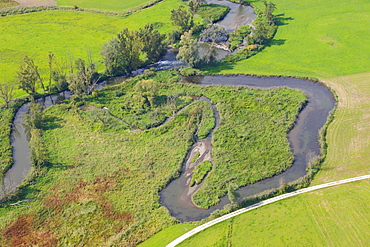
92,191
21,233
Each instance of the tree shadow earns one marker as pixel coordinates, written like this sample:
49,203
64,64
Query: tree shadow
281,20
219,67
51,122
276,42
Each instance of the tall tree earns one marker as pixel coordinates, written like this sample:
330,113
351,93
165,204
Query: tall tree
269,9
122,54
182,18
80,83
152,42
7,92
51,57
147,91
194,5
28,76
188,51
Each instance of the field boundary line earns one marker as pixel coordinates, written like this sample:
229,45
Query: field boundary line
260,204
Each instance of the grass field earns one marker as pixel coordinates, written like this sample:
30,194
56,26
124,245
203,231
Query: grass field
348,135
113,5
69,33
322,38
331,217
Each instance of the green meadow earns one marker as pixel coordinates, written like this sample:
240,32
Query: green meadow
321,38
69,33
112,5
331,217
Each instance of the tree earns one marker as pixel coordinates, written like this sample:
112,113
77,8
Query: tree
214,33
80,83
35,116
7,92
39,154
152,42
194,5
233,196
122,54
147,91
51,57
269,9
28,76
188,51
182,18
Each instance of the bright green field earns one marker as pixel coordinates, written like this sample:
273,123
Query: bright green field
321,38
68,32
113,5
313,219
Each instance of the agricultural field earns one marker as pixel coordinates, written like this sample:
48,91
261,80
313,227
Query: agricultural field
323,39
112,5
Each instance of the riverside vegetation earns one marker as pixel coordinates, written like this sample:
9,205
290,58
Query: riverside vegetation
73,187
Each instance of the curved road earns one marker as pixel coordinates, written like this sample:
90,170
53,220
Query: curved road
260,204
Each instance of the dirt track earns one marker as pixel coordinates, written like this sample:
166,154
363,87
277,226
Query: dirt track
30,3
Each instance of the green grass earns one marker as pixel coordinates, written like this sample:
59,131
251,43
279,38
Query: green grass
113,5
65,33
213,12
6,117
167,235
250,144
330,217
200,171
323,38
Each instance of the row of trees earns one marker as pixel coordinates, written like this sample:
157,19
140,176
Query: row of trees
128,51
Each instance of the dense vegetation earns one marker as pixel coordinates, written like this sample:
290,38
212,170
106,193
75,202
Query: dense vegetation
200,171
213,12
308,33
251,142
6,119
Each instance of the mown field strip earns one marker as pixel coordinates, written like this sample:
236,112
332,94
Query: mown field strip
260,204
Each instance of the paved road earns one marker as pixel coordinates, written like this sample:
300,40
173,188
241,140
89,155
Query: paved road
262,203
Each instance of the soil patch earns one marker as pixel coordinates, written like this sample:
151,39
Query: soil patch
29,3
